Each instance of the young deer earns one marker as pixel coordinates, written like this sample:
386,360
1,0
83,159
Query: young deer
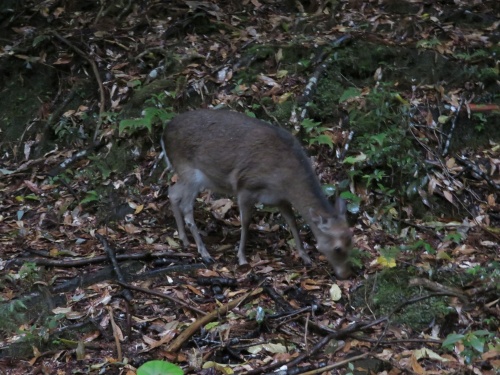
229,152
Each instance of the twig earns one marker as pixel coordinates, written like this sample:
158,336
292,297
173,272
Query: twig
313,81
112,257
94,260
335,365
396,341
453,125
102,104
125,9
462,160
319,345
116,335
279,300
435,286
96,146
183,268
163,295
52,119
190,331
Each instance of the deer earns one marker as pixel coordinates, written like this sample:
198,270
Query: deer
231,153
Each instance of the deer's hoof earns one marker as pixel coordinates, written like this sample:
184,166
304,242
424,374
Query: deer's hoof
245,267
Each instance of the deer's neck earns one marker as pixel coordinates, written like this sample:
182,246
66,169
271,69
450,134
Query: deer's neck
308,195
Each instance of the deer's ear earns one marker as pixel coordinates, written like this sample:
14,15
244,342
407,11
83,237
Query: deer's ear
318,219
340,208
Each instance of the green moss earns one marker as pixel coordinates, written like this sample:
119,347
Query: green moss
283,111
385,291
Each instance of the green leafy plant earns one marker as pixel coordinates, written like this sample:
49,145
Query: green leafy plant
357,257
471,56
474,343
29,272
350,370
159,368
151,115
349,93
421,244
480,120
387,161
428,43
454,237
315,133
68,132
90,196
388,256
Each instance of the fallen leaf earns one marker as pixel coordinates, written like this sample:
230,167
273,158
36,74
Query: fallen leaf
335,292
386,262
309,284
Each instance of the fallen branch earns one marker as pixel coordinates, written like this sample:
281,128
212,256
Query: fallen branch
53,118
163,295
452,129
112,257
476,170
321,370
94,147
102,104
437,287
313,80
191,330
94,260
306,354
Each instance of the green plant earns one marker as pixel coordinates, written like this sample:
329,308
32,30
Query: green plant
387,163
155,112
151,116
428,43
356,257
491,271
388,256
475,55
68,132
454,237
315,133
350,366
480,121
421,244
159,368
474,343
29,272
90,196
12,314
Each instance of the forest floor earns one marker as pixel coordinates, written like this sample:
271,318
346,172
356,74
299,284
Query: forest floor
397,101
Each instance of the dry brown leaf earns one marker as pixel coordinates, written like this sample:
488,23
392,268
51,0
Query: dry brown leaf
194,290
448,196
309,284
416,366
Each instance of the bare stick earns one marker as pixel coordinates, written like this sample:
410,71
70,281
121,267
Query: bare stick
191,330
114,262
453,125
102,104
163,295
321,370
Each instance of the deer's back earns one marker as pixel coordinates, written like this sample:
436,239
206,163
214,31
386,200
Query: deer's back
235,151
